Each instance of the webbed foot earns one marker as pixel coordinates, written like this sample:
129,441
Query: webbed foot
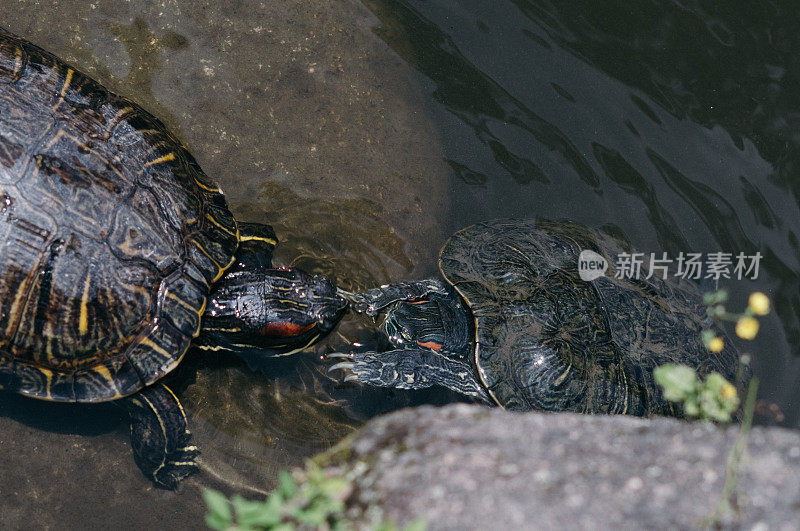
159,436
409,369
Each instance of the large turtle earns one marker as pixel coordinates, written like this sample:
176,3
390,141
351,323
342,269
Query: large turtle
116,250
511,323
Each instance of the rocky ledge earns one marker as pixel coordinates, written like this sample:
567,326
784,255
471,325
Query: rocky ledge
469,467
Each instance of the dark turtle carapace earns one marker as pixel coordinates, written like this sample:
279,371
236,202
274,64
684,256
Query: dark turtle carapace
117,251
510,322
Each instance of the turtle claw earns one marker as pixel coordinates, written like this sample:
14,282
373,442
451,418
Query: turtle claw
338,355
344,365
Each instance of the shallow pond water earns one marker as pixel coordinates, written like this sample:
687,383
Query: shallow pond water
368,132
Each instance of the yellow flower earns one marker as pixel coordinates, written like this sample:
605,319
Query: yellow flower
747,327
728,391
716,344
759,303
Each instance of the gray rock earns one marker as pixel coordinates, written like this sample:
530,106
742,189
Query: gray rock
468,467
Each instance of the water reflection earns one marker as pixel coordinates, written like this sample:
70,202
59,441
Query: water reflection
672,123
347,240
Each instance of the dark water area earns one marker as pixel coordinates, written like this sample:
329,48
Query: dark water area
673,124
366,133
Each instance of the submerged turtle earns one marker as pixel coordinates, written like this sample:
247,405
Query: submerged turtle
116,251
511,323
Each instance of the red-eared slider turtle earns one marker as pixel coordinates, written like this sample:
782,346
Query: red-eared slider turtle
511,323
116,250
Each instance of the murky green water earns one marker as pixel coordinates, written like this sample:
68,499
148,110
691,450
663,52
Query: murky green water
367,132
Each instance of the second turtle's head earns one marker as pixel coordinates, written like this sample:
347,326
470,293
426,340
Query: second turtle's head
435,322
275,311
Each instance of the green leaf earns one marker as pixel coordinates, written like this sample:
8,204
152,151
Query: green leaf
286,485
219,510
717,297
313,516
215,522
678,381
724,396
691,408
255,514
333,487
715,383
316,502
416,525
711,407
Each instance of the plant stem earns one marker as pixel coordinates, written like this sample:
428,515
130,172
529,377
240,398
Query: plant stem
734,461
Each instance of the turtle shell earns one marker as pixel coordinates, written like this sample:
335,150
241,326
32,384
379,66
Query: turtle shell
545,339
111,235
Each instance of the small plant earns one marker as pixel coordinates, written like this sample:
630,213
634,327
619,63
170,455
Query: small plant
714,398
746,323
314,501
727,503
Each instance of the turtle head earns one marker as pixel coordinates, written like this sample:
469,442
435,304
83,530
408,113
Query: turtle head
434,322
273,311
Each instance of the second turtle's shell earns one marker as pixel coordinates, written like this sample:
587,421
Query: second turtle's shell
545,339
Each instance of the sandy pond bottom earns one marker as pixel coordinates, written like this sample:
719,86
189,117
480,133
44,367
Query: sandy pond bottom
85,478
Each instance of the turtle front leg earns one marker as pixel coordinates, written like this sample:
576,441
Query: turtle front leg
159,436
411,369
374,300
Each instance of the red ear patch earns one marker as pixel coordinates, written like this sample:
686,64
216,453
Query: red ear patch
430,344
285,329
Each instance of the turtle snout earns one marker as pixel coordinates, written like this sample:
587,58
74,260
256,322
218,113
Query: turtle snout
332,306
